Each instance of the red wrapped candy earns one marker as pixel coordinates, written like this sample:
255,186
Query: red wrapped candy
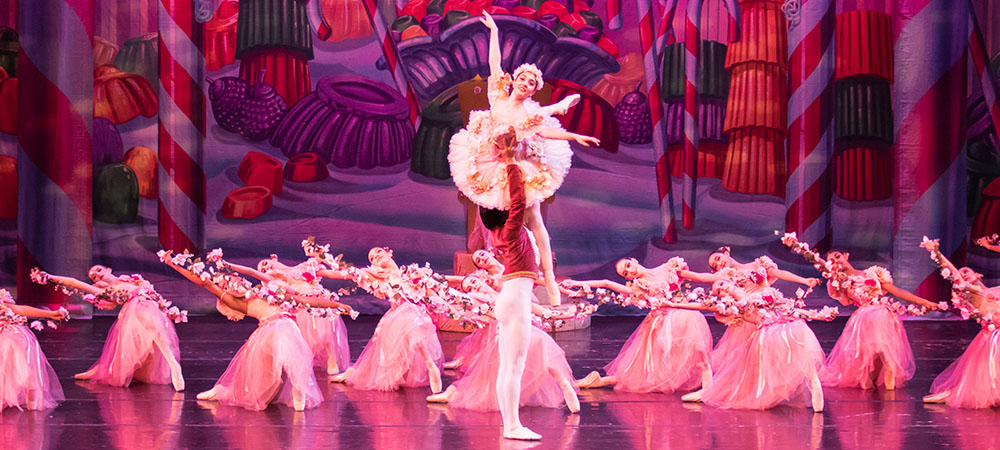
258,169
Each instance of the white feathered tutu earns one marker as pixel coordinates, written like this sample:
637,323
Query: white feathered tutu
475,161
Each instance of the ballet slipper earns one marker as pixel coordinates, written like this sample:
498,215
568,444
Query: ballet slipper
453,364
817,394
589,380
889,378
207,395
340,377
31,400
443,397
435,377
298,400
693,397
522,433
86,375
940,397
569,394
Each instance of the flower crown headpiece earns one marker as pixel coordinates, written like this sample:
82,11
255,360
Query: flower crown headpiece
532,70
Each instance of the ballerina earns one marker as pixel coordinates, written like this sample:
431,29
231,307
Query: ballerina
275,363
669,351
781,358
142,344
28,379
873,349
542,147
326,336
969,381
404,350
546,380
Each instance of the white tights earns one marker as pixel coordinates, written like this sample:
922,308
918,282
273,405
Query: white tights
513,313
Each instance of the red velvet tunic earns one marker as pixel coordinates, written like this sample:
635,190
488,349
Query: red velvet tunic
512,240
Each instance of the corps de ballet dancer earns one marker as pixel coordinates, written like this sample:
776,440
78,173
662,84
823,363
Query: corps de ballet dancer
547,379
142,344
781,358
542,147
27,380
274,365
971,381
873,349
404,350
326,336
669,351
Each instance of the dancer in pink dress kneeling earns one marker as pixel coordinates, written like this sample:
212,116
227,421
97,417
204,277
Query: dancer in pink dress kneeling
27,378
142,344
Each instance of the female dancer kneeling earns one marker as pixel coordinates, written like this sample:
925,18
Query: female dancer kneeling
781,358
404,350
669,351
970,381
275,363
326,336
142,344
547,377
28,379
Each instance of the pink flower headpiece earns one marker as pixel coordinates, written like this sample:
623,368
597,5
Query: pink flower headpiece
532,70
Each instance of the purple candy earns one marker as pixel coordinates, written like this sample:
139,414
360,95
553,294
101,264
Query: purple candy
506,4
589,34
431,24
549,20
107,142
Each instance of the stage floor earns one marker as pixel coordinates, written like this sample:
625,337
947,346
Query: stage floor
154,416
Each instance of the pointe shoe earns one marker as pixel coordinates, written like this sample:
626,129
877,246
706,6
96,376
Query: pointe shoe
340,377
693,397
569,394
435,378
936,398
817,395
298,400
522,433
85,375
589,380
443,397
890,381
177,379
207,395
453,364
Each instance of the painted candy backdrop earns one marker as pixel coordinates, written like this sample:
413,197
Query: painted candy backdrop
860,125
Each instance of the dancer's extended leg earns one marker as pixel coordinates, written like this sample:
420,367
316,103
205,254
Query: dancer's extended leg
513,309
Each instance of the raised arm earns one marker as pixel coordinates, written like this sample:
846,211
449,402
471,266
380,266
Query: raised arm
494,54
933,246
74,283
207,285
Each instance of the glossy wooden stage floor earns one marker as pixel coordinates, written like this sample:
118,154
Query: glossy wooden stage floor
154,416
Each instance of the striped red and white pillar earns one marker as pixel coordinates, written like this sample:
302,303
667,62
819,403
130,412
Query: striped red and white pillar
380,24
692,42
808,192
614,8
181,178
930,46
981,62
54,170
650,63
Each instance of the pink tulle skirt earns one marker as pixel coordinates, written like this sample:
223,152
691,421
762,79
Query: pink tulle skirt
731,345
273,362
25,373
973,380
130,352
393,356
471,345
777,366
664,353
327,337
873,336
544,366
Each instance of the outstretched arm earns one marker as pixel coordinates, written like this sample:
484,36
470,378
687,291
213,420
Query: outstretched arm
338,274
320,303
36,313
934,247
699,277
690,306
77,284
250,272
494,54
556,133
208,285
905,295
607,284
788,276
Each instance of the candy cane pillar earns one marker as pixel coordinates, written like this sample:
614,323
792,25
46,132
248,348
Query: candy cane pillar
808,192
929,155
692,42
381,26
650,59
181,177
54,170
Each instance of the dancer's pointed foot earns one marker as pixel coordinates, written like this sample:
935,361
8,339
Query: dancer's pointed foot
207,395
340,377
443,397
176,377
937,398
694,397
298,400
86,375
453,364
817,395
569,394
890,379
435,377
522,433
589,380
